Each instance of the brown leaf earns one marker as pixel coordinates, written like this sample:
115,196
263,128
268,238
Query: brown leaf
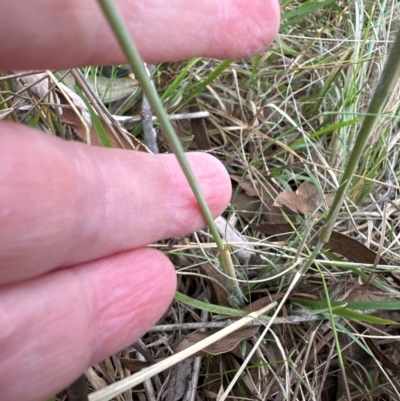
249,206
258,304
360,294
77,391
134,365
305,200
218,285
340,243
69,117
39,84
178,381
380,356
198,127
220,347
96,381
249,187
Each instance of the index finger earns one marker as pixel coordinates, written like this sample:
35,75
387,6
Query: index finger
64,203
58,34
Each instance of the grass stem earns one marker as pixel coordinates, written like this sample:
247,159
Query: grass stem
122,34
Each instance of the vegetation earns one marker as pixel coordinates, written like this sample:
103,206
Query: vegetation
284,124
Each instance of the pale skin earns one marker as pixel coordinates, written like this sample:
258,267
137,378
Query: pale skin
77,282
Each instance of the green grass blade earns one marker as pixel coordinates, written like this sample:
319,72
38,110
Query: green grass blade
354,305
361,317
98,126
178,80
386,83
124,38
216,309
122,34
223,65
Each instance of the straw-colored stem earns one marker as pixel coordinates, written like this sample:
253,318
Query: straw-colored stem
132,381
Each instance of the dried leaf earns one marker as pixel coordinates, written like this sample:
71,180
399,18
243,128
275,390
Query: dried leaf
250,205
340,243
230,234
198,127
356,252
210,394
218,285
77,391
134,365
94,379
380,356
220,347
360,294
251,188
258,304
246,206
39,85
305,200
71,118
109,89
178,381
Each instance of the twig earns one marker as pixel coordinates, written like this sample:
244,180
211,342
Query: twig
132,381
172,117
146,114
228,322
192,386
148,386
389,195
99,107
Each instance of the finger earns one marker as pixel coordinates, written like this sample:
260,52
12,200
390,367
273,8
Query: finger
63,203
54,34
55,326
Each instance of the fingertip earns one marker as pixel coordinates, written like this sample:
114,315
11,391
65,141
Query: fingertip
245,30
138,294
58,324
88,202
214,181
70,31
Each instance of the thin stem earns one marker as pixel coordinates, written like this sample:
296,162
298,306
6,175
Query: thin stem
335,333
122,34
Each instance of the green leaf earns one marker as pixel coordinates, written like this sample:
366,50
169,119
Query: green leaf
223,65
307,8
220,310
354,305
179,79
349,309
98,126
361,317
216,309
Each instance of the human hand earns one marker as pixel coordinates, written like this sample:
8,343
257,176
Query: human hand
76,281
